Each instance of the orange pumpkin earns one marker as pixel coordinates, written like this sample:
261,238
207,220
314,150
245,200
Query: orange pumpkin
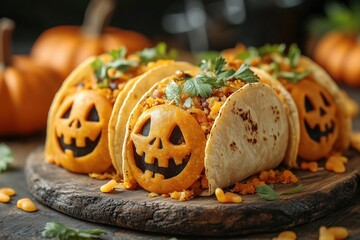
65,47
26,89
339,54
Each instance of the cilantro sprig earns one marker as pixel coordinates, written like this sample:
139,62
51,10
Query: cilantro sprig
213,75
62,232
122,65
268,193
119,63
292,56
6,157
158,52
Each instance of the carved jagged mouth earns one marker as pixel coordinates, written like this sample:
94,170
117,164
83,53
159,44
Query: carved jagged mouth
79,151
315,133
171,171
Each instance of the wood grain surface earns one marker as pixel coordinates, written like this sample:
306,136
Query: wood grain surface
79,196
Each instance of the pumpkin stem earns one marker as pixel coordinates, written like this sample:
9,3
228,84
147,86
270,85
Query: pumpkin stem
6,28
97,16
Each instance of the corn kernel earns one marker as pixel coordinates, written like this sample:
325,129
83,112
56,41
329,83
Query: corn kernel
228,197
108,187
336,164
325,234
311,166
26,204
339,232
8,191
288,235
4,198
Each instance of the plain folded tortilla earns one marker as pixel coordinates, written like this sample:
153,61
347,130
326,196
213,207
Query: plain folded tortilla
250,134
292,114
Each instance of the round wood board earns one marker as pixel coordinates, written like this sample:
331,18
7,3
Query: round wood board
79,196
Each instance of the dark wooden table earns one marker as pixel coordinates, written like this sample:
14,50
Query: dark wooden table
17,224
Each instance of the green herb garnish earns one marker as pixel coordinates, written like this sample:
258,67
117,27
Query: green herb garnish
62,232
208,55
214,75
296,189
6,157
172,92
294,76
119,63
271,48
268,193
294,55
158,52
188,102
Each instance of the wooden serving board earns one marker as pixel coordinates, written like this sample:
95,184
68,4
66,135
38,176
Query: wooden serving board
79,196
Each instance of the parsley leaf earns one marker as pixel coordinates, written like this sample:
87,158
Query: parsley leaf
244,73
266,192
172,92
207,55
213,75
118,53
296,189
6,157
158,52
294,76
271,48
250,53
294,55
62,232
269,194
199,85
119,63
188,102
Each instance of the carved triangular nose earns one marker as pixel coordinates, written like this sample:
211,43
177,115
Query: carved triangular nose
75,124
322,112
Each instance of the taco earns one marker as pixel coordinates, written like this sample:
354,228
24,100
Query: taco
204,131
325,122
126,102
77,132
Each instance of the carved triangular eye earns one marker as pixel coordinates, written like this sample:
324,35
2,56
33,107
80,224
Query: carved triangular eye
145,129
93,115
176,136
308,105
326,102
66,114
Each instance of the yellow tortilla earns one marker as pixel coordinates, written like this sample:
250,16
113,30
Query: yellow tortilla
125,103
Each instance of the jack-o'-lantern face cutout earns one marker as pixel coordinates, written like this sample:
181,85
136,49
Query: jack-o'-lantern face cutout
318,122
81,131
167,149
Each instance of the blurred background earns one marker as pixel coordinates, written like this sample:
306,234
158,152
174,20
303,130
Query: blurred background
191,25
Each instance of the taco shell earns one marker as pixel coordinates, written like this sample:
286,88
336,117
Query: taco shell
126,102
